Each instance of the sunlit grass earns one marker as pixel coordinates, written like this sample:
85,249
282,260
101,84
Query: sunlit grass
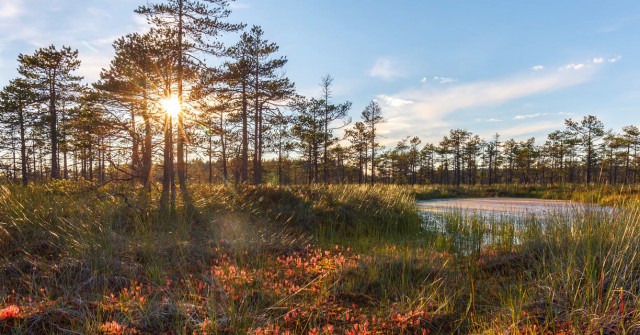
312,260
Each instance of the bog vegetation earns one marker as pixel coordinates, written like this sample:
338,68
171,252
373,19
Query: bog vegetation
310,260
192,190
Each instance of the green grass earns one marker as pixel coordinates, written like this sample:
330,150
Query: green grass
341,259
600,194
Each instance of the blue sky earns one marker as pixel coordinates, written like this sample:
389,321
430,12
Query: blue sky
514,67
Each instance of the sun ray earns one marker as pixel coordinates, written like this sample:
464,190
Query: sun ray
171,106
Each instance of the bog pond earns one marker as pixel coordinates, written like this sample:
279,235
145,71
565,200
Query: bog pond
470,224
506,206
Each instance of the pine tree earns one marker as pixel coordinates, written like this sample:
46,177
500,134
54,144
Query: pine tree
308,128
268,87
358,138
631,137
588,131
15,100
197,24
50,71
236,76
256,78
140,75
331,113
90,127
372,117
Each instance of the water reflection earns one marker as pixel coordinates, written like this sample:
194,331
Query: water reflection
469,225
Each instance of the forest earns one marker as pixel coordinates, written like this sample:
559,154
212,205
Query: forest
237,118
193,189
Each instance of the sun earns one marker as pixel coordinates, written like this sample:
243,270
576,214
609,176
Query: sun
171,106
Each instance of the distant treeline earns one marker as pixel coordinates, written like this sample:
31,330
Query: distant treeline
241,121
582,153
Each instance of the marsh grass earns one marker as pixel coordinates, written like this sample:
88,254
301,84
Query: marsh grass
312,260
603,194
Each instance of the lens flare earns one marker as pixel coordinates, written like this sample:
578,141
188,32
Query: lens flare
171,106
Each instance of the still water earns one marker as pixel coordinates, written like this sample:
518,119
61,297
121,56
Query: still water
506,206
470,224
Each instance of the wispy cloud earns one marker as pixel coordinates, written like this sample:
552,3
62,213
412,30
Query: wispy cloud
384,68
440,80
489,120
10,9
587,64
528,116
573,66
430,105
92,64
140,24
90,29
393,101
537,68
445,80
614,59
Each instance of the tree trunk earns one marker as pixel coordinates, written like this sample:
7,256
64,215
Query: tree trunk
225,173
326,139
210,164
14,168
135,145
168,186
180,150
373,157
147,152
53,128
244,171
256,123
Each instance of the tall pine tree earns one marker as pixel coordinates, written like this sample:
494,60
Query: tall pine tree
197,24
50,71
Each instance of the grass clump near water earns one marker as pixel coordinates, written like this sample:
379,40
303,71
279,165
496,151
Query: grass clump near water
308,260
604,194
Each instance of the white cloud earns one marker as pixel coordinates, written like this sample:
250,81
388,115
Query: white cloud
445,80
140,24
92,64
528,116
428,113
537,67
614,59
10,9
440,80
596,61
572,66
384,68
488,120
393,102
